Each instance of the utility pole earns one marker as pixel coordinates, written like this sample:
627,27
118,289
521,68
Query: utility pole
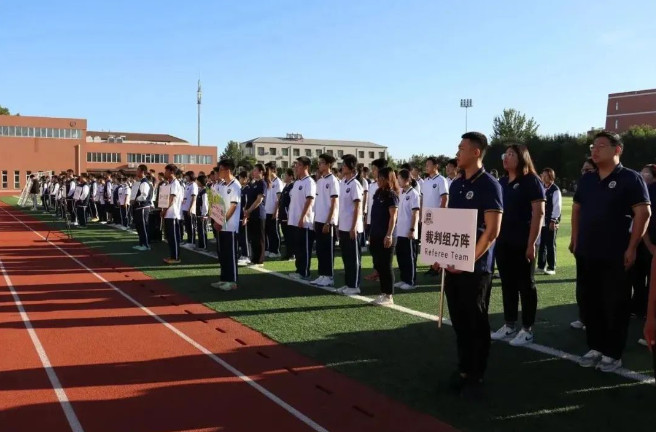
466,104
199,95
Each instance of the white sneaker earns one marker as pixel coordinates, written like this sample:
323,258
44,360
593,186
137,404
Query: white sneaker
244,263
550,272
295,276
504,332
75,224
540,271
318,281
642,342
609,364
407,287
103,222
274,255
524,337
383,300
341,290
398,284
577,325
267,254
590,359
327,282
257,266
351,291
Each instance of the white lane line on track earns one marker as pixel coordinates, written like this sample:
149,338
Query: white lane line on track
248,380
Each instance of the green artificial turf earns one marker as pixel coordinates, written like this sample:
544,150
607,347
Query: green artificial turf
408,358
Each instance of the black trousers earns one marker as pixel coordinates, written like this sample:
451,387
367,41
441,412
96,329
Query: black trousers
325,249
517,281
116,217
181,228
141,221
351,257
244,248
547,249
272,230
123,212
288,233
406,256
71,209
256,240
45,202
383,257
172,229
217,240
303,242
640,276
606,295
93,209
190,226
579,292
201,227
81,215
466,296
228,256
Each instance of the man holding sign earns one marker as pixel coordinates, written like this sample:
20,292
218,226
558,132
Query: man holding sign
466,291
226,222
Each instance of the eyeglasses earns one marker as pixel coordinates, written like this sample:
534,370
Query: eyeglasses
600,146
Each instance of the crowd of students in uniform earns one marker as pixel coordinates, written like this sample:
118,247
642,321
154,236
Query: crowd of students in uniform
613,237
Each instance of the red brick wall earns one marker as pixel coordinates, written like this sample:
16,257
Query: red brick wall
630,109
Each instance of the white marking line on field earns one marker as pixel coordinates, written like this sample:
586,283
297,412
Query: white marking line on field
73,421
625,373
248,380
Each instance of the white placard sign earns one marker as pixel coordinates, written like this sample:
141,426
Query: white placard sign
163,197
448,237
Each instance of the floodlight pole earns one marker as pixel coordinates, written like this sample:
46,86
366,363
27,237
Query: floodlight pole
466,104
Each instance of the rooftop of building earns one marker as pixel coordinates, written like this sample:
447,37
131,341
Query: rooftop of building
136,137
632,93
297,139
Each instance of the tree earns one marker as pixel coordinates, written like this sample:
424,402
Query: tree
234,151
512,125
4,111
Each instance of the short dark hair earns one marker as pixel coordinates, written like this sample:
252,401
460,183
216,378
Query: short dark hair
171,167
202,179
304,160
191,175
453,162
289,172
227,163
143,168
478,139
615,139
350,161
380,163
259,166
242,174
329,159
270,165
550,172
433,160
406,166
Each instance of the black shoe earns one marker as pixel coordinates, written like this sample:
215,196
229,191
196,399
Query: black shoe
456,382
473,390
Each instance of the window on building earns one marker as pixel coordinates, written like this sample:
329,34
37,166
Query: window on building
318,152
272,151
308,152
381,155
297,152
285,152
340,153
617,124
371,155
16,179
617,106
260,151
4,179
285,164
361,154
330,152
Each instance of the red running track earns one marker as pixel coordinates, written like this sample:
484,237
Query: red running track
102,347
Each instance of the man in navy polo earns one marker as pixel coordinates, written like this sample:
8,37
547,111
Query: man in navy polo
609,217
467,293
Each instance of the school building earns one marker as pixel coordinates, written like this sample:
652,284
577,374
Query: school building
284,151
634,108
32,144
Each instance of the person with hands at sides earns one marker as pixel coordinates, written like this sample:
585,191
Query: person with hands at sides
609,218
142,205
350,225
230,191
172,214
253,213
274,187
325,219
244,245
467,292
202,211
547,251
407,230
516,247
301,217
382,241
373,187
189,207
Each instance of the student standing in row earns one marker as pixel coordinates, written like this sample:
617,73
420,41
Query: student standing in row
406,231
82,201
189,206
382,239
467,292
244,243
141,208
350,225
642,268
274,188
230,191
202,211
172,214
609,218
253,219
283,211
515,249
301,217
451,171
547,252
325,219
376,165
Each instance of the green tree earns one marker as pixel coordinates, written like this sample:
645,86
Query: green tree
234,151
4,111
512,125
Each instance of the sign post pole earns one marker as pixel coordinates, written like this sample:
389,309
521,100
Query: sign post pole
439,322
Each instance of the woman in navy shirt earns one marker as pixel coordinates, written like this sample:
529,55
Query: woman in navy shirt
523,203
381,235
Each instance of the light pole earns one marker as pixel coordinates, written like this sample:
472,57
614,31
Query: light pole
199,95
466,104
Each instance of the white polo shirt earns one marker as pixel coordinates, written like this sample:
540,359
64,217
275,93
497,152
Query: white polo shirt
432,190
272,195
134,189
327,188
373,187
350,192
123,192
408,201
190,191
303,189
420,182
175,212
231,194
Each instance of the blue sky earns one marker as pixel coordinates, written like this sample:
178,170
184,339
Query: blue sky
391,72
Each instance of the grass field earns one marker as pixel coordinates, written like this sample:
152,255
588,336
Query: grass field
407,357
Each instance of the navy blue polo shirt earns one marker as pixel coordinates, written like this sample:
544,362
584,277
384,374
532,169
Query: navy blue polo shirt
285,200
481,192
518,197
380,216
255,189
651,230
244,200
606,212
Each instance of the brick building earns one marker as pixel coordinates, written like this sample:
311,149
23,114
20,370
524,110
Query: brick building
32,144
631,109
